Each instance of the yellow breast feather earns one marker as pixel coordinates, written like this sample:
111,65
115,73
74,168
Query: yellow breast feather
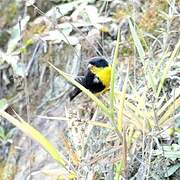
104,74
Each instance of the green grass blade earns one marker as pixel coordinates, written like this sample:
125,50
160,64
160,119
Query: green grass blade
169,111
137,41
157,68
35,135
168,66
121,108
3,104
119,170
151,80
115,61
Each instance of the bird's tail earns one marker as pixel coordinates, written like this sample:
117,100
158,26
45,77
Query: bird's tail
74,93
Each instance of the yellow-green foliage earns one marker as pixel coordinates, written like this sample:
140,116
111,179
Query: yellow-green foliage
8,14
150,18
27,43
120,14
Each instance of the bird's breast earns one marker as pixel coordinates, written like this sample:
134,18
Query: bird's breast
104,75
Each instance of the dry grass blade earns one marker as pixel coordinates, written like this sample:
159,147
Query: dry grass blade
121,106
73,155
100,124
170,111
140,108
130,136
163,56
151,80
165,106
125,153
166,69
35,135
134,119
112,92
91,122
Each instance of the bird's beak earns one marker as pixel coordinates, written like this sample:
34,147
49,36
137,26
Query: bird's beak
90,66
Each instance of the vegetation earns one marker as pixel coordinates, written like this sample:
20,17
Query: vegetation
131,131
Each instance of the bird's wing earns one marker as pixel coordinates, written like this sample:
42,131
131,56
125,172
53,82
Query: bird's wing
81,80
76,90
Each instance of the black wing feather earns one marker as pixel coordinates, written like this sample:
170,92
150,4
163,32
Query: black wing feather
76,91
88,82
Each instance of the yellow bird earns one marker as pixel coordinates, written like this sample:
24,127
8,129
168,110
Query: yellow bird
96,79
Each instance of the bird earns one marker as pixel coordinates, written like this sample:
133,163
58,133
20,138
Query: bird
96,78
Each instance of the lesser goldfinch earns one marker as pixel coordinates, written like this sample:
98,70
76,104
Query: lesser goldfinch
96,79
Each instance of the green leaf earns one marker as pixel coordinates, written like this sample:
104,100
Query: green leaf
172,152
172,169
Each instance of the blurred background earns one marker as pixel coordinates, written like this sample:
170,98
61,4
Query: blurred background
67,34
